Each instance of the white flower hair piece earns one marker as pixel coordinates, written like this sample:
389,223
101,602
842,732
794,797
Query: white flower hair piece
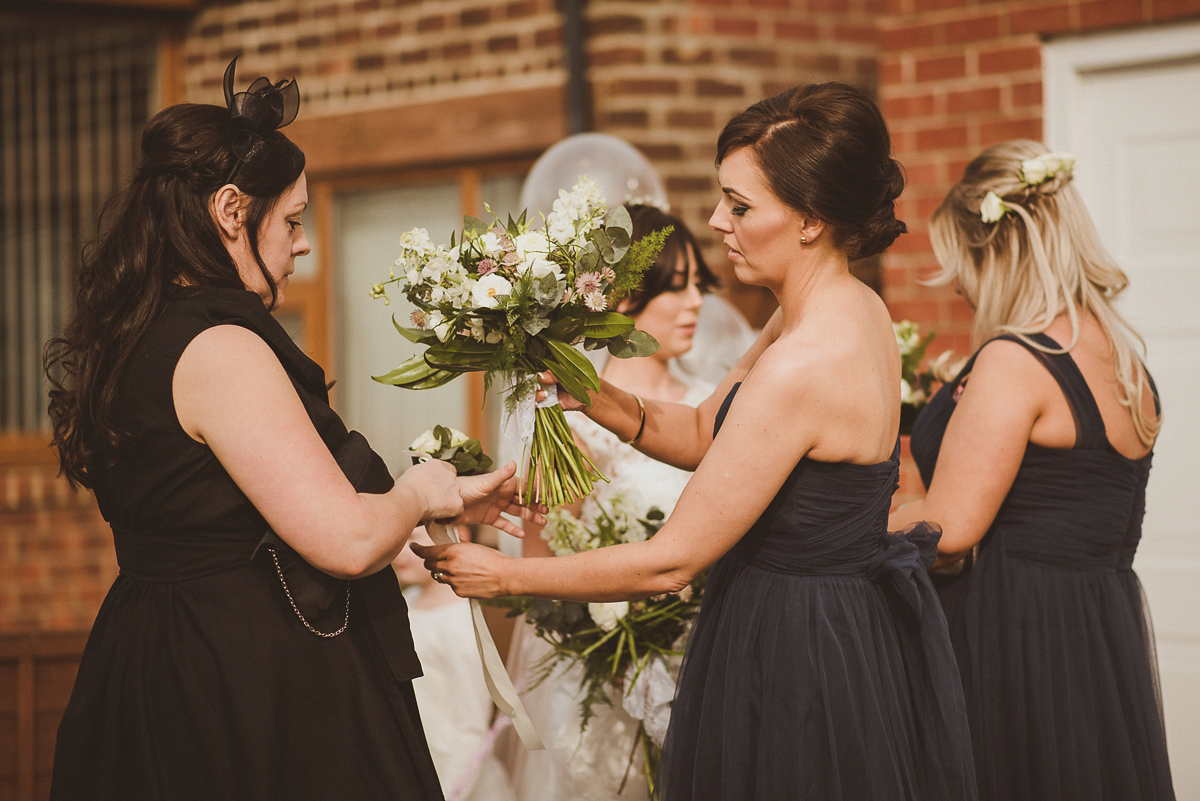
992,208
1038,170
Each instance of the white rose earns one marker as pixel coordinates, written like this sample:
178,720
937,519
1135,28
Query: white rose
457,438
1034,171
607,616
487,289
490,244
426,443
534,242
542,267
992,208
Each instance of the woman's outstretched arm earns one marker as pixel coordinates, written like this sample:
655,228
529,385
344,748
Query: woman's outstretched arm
745,466
674,433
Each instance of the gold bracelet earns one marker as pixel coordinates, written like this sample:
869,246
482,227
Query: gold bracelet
641,425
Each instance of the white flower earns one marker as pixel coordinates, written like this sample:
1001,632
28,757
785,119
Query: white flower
1034,171
490,244
541,268
992,208
907,335
532,243
487,289
418,241
595,301
608,615
457,438
906,392
426,443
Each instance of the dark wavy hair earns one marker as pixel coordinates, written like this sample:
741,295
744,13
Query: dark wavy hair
155,231
660,277
826,152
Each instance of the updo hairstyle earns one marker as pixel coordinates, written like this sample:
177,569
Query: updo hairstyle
825,151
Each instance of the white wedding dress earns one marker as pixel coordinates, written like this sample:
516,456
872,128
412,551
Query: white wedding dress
590,764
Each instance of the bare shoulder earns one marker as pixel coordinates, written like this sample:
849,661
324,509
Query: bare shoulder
1005,360
1006,374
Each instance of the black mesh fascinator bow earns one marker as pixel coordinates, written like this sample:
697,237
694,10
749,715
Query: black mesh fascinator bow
256,112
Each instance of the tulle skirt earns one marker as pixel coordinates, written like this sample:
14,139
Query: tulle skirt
1060,679
816,687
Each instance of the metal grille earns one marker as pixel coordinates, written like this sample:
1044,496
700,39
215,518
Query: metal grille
72,106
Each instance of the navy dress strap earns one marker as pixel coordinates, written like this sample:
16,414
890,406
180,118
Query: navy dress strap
1090,431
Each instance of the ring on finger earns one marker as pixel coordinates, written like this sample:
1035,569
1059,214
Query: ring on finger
439,576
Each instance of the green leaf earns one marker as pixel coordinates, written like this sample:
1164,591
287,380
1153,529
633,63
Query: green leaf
414,369
567,327
578,370
460,354
419,335
620,219
635,343
605,325
474,226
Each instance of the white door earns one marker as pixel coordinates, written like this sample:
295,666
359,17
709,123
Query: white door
368,225
1128,106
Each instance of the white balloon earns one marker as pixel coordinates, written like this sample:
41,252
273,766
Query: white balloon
620,169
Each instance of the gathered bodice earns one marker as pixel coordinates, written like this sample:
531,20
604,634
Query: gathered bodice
1079,507
828,518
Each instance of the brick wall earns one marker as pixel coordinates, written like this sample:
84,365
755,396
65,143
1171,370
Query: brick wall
956,76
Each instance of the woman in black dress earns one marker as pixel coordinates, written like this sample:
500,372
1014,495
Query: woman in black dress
1040,459
255,644
819,666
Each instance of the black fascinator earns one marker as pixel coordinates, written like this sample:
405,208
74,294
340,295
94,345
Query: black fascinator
256,113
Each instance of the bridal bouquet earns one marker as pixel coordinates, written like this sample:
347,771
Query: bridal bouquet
915,383
512,302
622,647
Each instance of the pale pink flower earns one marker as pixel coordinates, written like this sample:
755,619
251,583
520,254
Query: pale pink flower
587,283
595,300
487,267
418,318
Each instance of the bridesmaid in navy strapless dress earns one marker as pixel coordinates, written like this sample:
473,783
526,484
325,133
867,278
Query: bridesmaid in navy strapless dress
819,666
1050,629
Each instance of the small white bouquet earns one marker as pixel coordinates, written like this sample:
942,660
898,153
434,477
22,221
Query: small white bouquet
512,302
915,383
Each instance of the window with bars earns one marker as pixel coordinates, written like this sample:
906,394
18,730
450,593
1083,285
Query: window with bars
72,106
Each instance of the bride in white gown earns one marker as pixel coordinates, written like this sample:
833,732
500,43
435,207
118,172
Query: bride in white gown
593,763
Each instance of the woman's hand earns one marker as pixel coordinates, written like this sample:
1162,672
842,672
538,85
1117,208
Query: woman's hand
434,483
474,571
486,497
565,399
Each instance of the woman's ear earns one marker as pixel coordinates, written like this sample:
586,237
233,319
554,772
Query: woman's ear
810,230
228,209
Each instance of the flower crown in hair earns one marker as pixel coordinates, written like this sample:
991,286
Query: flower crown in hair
1033,172
261,109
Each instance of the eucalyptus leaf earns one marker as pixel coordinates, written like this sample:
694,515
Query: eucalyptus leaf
635,343
619,218
605,325
473,225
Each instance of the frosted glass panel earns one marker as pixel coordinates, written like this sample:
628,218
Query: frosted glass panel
369,225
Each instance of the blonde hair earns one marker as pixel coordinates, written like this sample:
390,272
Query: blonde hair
1040,260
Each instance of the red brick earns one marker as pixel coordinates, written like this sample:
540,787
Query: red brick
456,51
619,55
1173,9
992,132
616,24
389,29
912,242
986,99
521,10
1027,94
836,6
768,3
371,61
695,183
753,57
1010,59
633,118
691,119
855,33
363,6
919,173
657,153
474,16
1109,13
974,29
706,87
308,42
348,36
911,36
948,136
210,30
805,31
891,72
911,106
326,12
818,62
938,5
645,86
936,69
1047,19
547,36
428,24
734,26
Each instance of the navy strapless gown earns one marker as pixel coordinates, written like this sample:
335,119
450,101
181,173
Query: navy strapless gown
1050,627
819,666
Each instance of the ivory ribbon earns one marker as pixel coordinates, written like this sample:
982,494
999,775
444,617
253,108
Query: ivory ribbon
499,685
